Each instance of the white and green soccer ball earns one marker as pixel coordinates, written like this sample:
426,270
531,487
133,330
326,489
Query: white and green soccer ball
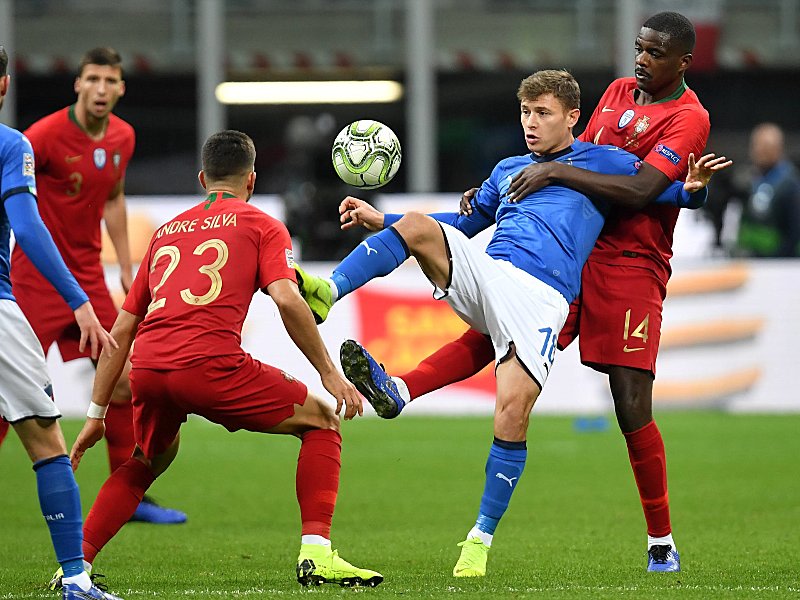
366,154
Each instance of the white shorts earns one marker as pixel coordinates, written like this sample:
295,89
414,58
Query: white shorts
25,387
508,304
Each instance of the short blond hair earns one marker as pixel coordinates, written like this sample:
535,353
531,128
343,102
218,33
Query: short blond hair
558,82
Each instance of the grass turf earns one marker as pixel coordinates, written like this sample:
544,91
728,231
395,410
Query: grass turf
410,491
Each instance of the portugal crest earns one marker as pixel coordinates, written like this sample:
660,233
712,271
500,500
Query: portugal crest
99,157
641,125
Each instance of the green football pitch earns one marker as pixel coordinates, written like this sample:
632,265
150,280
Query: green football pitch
410,491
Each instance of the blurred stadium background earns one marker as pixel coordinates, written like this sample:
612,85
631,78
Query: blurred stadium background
731,321
459,64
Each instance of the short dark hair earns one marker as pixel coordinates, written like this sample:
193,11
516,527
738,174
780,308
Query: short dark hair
103,55
3,62
560,83
228,154
679,29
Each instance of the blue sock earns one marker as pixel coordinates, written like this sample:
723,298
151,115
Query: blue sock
376,256
503,469
61,507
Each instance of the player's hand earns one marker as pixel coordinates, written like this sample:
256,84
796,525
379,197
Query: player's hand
91,330
126,279
354,212
465,204
528,180
346,395
700,172
92,432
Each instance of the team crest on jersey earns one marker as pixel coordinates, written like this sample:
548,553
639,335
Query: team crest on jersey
289,258
99,157
116,158
626,118
28,168
641,125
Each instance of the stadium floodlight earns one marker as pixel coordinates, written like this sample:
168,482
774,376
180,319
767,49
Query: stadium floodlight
309,92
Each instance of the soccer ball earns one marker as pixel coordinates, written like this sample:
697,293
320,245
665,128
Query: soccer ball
366,154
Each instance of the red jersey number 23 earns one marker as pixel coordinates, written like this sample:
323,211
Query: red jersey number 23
210,270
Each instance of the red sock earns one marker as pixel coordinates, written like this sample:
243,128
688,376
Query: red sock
649,462
119,434
115,504
3,429
458,360
318,480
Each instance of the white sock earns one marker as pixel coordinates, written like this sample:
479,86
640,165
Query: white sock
334,290
660,541
403,389
486,538
317,540
83,580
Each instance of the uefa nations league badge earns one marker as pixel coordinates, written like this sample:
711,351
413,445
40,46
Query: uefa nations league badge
626,118
99,157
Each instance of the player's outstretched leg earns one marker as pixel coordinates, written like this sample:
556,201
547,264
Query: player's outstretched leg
376,256
663,558
317,293
370,378
318,564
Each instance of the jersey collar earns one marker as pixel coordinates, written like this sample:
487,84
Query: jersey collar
214,196
74,118
679,91
548,157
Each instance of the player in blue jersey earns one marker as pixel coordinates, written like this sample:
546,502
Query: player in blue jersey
26,394
518,290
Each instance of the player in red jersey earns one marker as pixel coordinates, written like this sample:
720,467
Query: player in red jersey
82,152
186,309
618,313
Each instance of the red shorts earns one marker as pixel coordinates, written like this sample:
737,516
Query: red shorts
238,392
617,316
53,320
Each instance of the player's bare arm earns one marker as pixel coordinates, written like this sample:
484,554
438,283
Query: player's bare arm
109,368
627,191
354,211
115,215
302,328
639,189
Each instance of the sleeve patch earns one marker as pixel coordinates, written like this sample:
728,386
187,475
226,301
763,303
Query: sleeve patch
668,153
289,258
28,168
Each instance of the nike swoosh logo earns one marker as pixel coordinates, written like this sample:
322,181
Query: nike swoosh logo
626,349
72,159
606,109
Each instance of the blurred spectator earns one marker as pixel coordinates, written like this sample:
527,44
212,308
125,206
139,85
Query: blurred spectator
770,221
